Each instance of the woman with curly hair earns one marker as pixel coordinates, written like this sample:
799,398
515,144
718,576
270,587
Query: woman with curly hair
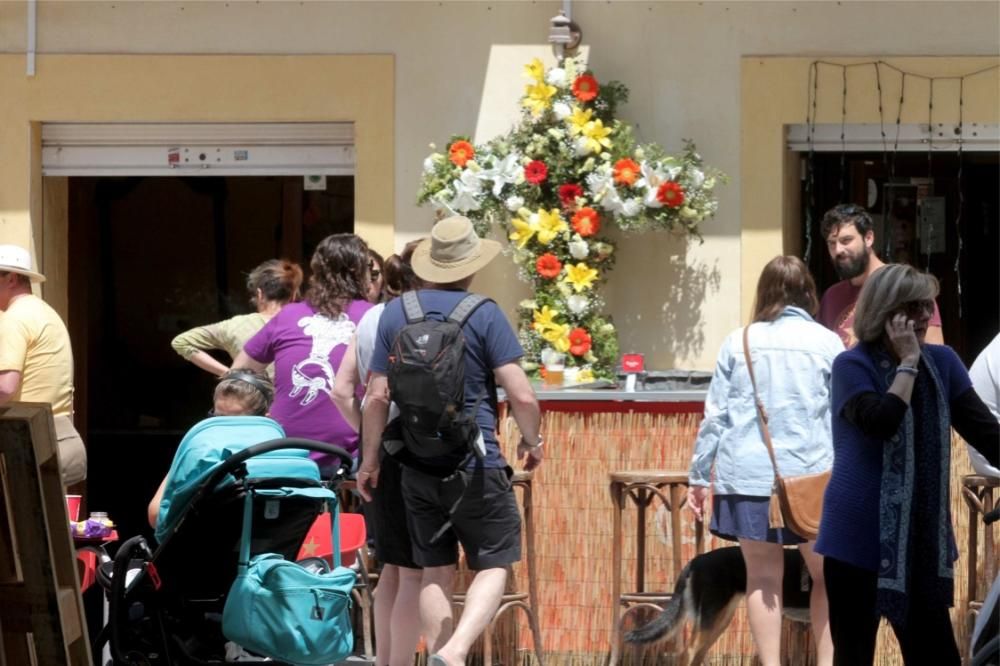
306,342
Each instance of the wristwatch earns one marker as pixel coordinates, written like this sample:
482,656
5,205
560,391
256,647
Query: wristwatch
533,446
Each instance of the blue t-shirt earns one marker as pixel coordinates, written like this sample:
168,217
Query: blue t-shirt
490,343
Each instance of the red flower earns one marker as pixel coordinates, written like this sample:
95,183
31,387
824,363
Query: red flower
579,342
460,153
586,222
585,87
536,172
568,194
671,194
548,266
626,171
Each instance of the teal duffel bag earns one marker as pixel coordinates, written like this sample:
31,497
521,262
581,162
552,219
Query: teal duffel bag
278,609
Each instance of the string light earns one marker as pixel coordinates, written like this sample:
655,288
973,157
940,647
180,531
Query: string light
811,116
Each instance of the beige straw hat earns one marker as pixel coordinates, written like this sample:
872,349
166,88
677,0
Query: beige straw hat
15,259
453,252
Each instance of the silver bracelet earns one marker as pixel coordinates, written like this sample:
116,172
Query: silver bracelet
907,370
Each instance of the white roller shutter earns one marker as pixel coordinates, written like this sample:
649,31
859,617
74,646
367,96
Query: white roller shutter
197,149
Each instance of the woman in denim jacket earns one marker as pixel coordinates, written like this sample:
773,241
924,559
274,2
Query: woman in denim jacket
792,357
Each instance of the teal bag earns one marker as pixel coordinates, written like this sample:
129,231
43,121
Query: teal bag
279,609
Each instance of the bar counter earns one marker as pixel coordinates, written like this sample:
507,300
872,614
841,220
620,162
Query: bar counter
589,433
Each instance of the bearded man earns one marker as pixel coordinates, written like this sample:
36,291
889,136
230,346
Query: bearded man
850,238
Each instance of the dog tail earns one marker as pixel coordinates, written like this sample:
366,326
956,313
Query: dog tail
670,620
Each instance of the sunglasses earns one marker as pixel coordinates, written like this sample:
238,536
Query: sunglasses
914,308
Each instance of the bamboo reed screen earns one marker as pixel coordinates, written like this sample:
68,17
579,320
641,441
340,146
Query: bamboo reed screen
573,516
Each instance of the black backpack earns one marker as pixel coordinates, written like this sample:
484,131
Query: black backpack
426,376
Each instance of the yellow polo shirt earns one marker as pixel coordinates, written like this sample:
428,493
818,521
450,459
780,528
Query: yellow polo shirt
35,342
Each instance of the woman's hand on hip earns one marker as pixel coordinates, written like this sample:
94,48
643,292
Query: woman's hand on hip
696,501
903,340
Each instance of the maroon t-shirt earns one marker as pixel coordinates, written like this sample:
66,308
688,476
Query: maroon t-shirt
836,311
306,349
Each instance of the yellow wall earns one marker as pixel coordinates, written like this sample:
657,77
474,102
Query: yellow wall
171,88
684,63
774,95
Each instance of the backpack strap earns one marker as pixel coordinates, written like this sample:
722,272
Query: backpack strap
461,313
411,307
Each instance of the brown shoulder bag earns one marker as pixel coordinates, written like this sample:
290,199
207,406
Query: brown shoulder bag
796,501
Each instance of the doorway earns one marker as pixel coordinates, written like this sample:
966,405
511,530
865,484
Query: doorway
150,258
914,199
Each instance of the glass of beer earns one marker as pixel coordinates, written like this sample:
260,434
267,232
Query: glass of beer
555,367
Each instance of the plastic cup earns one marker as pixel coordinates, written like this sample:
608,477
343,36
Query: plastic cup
73,507
554,374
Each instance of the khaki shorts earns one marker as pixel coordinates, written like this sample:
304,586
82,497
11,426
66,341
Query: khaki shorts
72,452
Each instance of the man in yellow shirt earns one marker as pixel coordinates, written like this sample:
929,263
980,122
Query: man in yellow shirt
36,360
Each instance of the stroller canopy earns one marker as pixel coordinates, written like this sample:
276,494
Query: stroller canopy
211,442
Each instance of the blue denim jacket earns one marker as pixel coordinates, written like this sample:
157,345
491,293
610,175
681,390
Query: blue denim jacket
792,359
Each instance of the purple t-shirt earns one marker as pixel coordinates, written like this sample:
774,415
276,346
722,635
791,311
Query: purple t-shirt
306,349
836,311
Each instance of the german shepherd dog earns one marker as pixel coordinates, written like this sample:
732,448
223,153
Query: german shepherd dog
708,592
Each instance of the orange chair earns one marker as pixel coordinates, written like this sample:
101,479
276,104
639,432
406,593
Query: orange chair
353,538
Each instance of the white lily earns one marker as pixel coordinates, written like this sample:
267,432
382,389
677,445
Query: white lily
696,178
507,170
577,303
467,190
514,203
631,207
556,76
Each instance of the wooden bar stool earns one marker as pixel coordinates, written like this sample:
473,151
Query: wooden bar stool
526,601
978,494
642,486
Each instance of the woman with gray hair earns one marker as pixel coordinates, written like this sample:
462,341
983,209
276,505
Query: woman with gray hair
886,531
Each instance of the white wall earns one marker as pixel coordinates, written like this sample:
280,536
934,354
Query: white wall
681,61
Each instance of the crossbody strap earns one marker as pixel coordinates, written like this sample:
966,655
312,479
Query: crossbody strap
244,562
761,412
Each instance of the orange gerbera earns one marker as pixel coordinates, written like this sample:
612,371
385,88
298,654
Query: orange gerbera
579,342
626,171
586,222
671,194
548,266
460,153
585,87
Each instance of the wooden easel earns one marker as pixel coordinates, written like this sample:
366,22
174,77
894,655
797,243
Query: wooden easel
41,611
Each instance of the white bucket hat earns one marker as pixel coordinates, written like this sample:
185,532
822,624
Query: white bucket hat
453,252
15,259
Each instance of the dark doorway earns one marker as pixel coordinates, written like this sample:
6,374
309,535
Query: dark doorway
152,257
894,189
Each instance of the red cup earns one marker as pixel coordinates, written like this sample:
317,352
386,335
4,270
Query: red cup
73,507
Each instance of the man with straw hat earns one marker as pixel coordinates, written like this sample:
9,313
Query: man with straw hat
448,503
36,360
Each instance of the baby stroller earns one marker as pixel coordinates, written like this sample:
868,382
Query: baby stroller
166,606
984,649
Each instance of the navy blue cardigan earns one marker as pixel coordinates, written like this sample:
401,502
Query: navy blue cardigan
849,530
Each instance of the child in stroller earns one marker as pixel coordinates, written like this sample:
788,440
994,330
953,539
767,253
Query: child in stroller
166,605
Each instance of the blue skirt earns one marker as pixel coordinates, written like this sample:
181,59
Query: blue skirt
736,517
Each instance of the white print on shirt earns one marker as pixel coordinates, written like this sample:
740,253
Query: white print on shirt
326,333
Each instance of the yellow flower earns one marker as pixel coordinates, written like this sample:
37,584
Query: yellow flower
581,276
584,376
538,98
523,231
578,120
558,337
535,70
544,319
550,225
596,136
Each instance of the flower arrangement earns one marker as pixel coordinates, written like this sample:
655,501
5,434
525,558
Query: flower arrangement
566,171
